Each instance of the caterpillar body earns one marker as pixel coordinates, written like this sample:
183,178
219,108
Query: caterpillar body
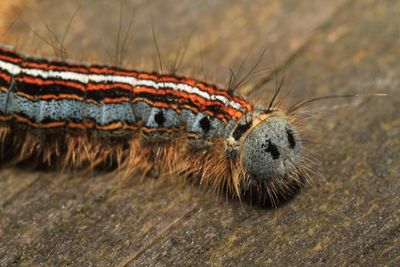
83,116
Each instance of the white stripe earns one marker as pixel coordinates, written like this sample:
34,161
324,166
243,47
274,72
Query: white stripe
64,75
86,78
112,78
11,68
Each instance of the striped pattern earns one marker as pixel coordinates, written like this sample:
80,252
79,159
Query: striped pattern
48,94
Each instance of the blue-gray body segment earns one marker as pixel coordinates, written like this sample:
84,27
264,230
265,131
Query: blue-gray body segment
169,118
103,114
3,102
193,125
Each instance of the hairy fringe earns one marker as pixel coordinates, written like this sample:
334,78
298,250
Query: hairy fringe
174,160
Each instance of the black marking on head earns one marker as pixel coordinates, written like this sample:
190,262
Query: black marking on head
240,130
159,118
291,139
205,124
272,149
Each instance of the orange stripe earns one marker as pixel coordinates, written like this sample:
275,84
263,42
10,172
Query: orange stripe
108,86
108,71
211,89
5,117
192,135
107,100
75,125
10,59
49,96
39,81
60,96
6,77
148,76
89,124
165,130
116,126
46,66
244,103
109,127
39,125
32,98
152,103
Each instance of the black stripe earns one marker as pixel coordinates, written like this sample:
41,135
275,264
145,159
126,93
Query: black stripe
6,71
38,90
99,95
52,62
56,89
108,70
4,83
8,53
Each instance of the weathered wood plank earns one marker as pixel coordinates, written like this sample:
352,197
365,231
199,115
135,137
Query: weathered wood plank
349,216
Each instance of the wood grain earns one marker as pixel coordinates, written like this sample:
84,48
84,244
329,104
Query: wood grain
349,216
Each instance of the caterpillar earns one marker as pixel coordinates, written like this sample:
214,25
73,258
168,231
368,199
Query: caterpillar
82,116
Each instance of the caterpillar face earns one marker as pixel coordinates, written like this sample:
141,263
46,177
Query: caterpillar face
270,149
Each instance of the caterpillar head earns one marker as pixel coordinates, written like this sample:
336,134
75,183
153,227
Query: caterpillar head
270,148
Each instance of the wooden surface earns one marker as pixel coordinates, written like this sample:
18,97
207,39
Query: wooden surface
349,216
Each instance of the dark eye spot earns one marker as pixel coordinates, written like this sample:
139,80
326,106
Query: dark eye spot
291,139
272,149
205,124
159,118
